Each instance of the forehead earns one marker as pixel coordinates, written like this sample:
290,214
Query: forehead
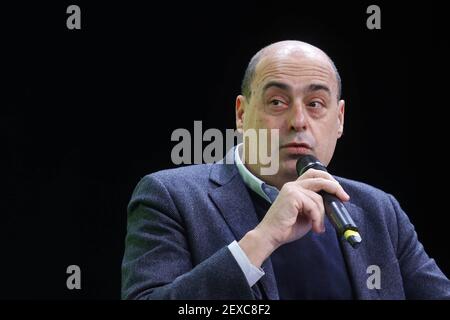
297,69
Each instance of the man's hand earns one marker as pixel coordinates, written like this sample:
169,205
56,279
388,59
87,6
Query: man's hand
297,209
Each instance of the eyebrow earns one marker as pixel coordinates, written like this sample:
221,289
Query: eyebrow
318,87
284,86
280,85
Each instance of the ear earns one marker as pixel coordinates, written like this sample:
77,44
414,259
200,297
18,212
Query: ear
240,108
341,111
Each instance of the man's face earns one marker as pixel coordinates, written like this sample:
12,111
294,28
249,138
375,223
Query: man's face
296,93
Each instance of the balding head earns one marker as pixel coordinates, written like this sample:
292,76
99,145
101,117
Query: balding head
294,88
281,49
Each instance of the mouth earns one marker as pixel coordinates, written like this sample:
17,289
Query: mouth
294,148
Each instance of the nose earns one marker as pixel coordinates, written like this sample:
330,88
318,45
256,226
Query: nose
297,118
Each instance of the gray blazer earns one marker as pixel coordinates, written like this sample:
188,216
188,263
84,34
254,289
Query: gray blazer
180,222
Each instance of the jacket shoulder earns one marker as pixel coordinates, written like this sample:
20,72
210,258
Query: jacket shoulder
187,174
179,182
365,195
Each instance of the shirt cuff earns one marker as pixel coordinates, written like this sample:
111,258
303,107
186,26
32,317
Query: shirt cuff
252,273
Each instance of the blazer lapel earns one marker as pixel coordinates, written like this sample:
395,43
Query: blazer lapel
357,260
234,203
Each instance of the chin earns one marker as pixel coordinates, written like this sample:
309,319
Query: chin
288,169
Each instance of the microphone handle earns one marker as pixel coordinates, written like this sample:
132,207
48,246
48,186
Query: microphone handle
334,208
338,214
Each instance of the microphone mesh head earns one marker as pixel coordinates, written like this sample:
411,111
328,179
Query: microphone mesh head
308,161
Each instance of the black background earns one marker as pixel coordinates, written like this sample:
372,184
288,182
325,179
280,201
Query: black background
86,113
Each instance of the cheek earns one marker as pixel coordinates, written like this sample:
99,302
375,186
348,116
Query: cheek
265,121
326,138
328,127
275,121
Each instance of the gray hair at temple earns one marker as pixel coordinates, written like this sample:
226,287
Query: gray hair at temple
251,68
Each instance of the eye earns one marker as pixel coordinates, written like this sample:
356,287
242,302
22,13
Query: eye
276,103
316,104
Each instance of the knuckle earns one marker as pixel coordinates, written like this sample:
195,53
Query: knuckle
323,180
333,184
289,188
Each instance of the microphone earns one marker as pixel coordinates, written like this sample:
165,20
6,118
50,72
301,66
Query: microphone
334,208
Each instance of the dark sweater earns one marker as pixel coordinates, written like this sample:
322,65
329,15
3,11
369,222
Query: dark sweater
309,268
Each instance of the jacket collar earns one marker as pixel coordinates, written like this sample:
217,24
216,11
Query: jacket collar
238,212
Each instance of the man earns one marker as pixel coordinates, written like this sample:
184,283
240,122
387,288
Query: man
225,231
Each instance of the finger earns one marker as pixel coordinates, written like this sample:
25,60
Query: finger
319,184
317,198
314,173
310,210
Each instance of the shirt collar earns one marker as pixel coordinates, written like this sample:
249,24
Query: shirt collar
263,189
